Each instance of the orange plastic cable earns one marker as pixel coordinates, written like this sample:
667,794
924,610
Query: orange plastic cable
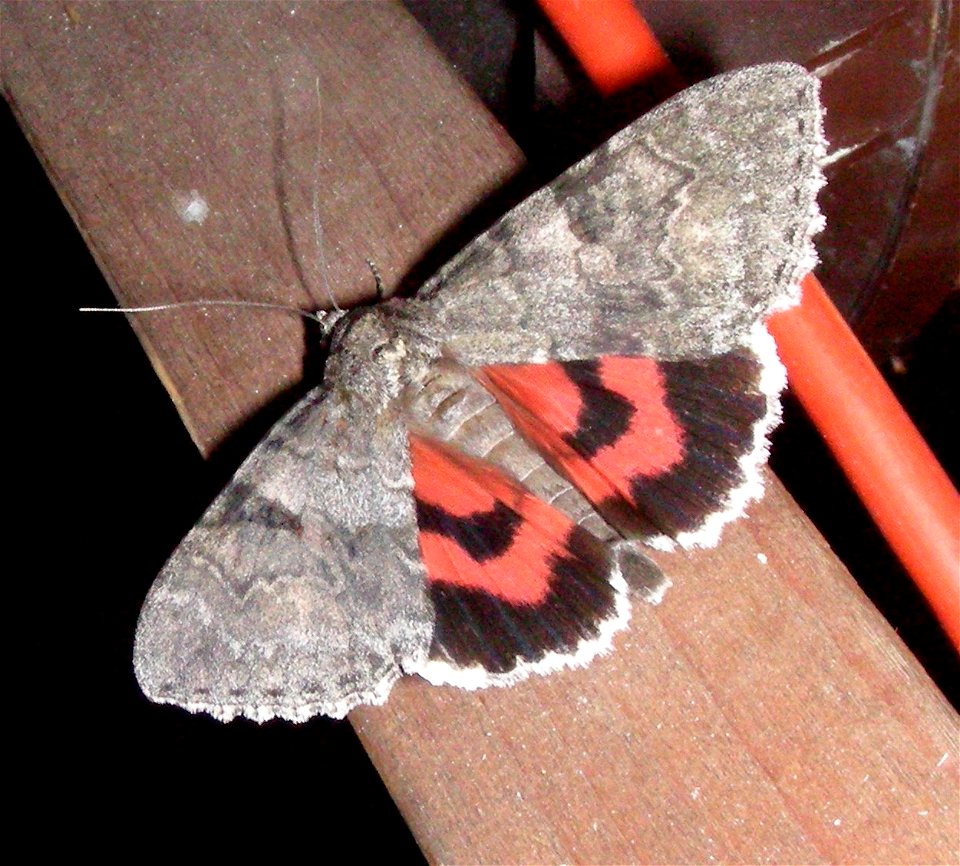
611,40
888,463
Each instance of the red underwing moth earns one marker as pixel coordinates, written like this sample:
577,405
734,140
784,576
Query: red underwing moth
468,494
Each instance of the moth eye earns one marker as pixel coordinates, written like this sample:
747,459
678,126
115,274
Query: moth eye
389,350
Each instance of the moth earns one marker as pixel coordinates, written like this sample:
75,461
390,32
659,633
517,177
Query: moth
468,495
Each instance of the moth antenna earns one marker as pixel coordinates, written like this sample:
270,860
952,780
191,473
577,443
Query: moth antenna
317,226
321,317
324,318
377,279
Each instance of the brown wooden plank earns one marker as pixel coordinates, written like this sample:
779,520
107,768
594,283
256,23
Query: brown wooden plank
137,109
764,712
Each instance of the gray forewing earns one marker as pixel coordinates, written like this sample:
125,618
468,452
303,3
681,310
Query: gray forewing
670,240
300,592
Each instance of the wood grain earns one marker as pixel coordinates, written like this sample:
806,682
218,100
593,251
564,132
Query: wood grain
763,713
134,110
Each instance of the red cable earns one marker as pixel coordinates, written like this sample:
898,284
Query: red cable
886,460
611,40
888,463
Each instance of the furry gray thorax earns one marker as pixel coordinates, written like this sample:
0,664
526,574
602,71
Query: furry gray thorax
376,352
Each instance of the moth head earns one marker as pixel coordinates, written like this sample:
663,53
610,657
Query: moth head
368,356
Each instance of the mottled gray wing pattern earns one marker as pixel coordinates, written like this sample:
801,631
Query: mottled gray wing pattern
300,591
670,240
